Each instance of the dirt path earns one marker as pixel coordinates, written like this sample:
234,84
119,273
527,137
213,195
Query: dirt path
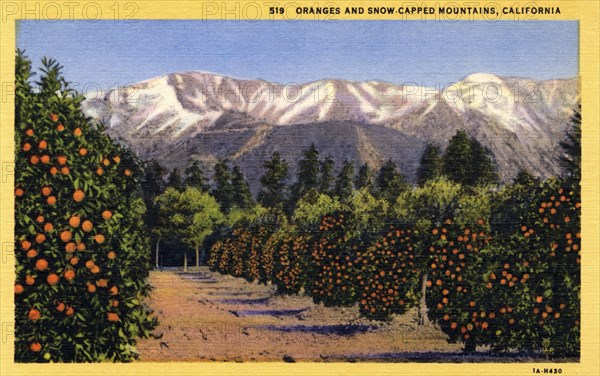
212,317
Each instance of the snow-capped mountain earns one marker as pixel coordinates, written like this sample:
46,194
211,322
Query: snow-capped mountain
203,116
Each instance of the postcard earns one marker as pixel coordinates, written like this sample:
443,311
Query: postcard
299,187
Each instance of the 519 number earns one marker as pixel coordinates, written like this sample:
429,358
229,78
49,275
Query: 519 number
276,10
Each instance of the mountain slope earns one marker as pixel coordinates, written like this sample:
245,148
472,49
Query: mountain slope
202,116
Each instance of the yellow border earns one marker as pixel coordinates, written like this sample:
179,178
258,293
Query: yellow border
586,12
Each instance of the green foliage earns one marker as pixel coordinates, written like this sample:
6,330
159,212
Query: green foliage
241,197
364,179
223,190
390,183
430,166
194,177
83,258
467,162
326,178
457,160
343,183
308,174
273,192
175,181
190,216
312,207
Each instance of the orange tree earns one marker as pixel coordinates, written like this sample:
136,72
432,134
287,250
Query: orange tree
82,260
389,274
537,269
292,261
332,273
456,298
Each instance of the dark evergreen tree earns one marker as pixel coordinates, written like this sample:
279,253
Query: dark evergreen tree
430,165
483,169
343,184
525,178
364,178
308,173
457,159
223,190
175,180
153,182
327,179
571,160
273,192
390,182
194,177
241,196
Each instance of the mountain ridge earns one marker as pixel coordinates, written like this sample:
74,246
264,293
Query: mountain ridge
181,117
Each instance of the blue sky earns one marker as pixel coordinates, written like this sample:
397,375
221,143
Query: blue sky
108,53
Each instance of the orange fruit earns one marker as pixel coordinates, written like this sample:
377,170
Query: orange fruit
69,274
106,162
52,279
46,191
95,269
112,317
29,280
112,255
91,288
106,215
99,238
29,132
45,159
74,221
99,171
81,247
53,170
43,144
90,264
60,127
102,283
54,117
25,245
34,159
48,227
66,236
83,152
65,170
62,160
35,347
539,299
60,307
41,265
70,311
87,226
127,172
26,146
19,289
32,253
70,247
19,192
114,290
34,314
117,159
40,238
51,200
74,261
77,132
78,195
115,303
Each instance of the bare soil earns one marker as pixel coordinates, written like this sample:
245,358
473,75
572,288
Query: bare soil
206,316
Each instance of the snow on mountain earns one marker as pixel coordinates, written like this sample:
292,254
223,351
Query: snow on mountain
203,116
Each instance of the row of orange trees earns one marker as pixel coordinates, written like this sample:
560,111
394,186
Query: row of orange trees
81,254
512,284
